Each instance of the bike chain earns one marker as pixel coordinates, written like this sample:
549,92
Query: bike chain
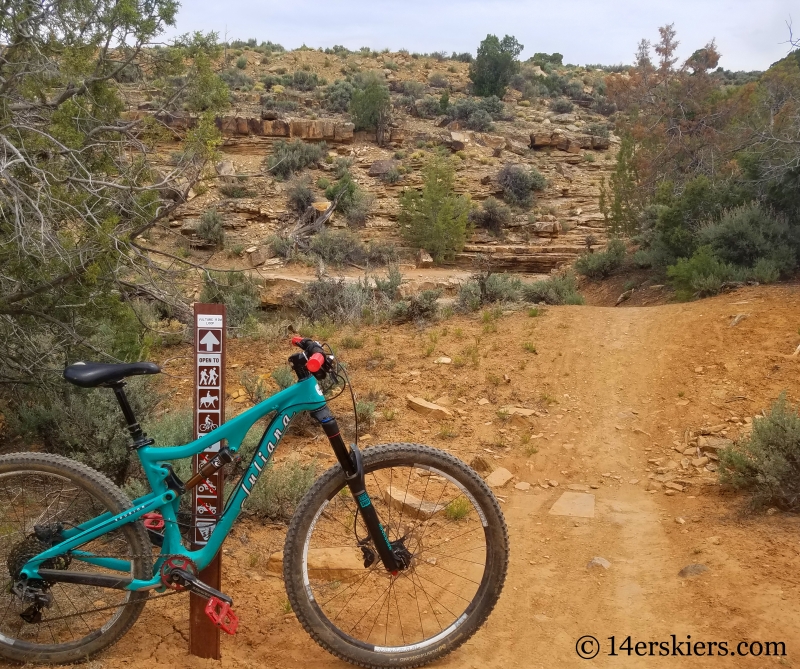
116,606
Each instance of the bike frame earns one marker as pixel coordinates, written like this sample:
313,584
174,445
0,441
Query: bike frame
305,395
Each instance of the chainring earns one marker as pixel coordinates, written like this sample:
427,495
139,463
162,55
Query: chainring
176,562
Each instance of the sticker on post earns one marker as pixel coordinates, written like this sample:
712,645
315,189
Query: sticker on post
206,422
209,341
208,399
208,376
209,320
203,530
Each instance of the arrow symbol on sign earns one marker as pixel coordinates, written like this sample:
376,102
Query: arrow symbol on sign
209,341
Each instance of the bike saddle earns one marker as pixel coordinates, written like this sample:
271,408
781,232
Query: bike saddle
93,374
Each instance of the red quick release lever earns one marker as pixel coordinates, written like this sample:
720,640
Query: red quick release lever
315,363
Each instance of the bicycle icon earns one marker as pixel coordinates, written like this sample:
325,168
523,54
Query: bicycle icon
207,425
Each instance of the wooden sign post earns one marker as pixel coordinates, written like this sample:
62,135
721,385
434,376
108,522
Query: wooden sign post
207,499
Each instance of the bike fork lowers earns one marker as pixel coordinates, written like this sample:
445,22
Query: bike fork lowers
353,467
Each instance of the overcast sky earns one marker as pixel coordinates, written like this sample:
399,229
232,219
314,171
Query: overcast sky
750,34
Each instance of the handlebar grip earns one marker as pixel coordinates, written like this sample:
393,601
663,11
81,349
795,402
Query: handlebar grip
315,363
296,340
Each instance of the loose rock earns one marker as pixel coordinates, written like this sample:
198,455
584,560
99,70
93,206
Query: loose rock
499,477
598,562
692,570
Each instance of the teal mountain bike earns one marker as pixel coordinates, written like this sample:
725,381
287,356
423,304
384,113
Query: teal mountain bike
394,557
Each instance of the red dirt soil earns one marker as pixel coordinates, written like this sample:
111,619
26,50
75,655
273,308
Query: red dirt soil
620,387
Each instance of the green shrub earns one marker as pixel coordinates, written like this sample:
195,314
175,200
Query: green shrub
494,65
464,57
748,233
337,247
210,228
300,195
480,121
338,96
283,377
359,208
597,130
702,275
236,79
642,259
438,80
501,288
288,158
429,107
436,219
341,166
381,252
767,463
766,270
493,216
323,183
458,509
477,114
392,176
283,247
413,89
370,106
304,81
280,488
234,191
518,184
238,292
420,308
601,264
272,103
85,425
337,301
561,106
389,286
469,297
553,290
241,62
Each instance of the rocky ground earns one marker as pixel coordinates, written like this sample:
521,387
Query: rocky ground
564,215
621,409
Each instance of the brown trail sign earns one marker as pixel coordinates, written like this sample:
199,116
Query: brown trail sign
209,414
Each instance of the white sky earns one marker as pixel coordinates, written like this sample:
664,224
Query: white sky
750,34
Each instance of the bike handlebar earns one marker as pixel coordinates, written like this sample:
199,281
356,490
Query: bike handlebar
316,361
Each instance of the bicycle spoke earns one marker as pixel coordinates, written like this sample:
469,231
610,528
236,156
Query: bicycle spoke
439,584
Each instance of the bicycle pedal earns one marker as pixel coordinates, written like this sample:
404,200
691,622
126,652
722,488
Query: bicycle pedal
221,614
154,521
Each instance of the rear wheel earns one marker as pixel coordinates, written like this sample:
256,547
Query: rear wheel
40,496
448,521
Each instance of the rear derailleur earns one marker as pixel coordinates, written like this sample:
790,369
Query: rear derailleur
36,593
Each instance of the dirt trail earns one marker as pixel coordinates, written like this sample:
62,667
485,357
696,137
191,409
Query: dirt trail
620,386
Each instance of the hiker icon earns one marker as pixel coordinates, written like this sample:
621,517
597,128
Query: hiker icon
208,376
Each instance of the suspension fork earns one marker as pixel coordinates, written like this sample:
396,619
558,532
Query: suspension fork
353,467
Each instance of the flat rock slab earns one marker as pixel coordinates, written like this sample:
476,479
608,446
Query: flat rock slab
427,408
499,477
518,411
576,504
408,504
325,564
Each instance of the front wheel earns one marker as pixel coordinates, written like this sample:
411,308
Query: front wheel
436,508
